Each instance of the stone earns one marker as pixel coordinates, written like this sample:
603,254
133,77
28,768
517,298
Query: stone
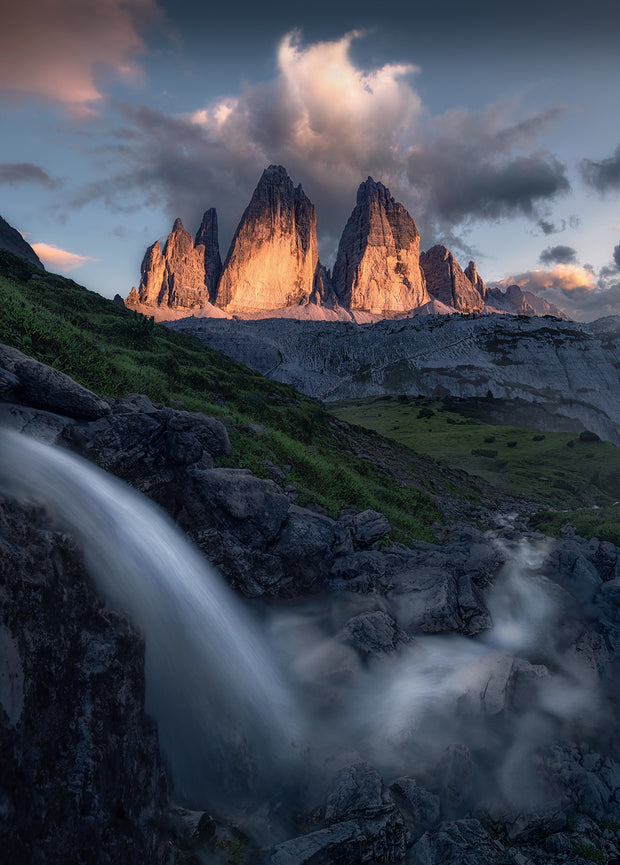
81,779
377,267
446,281
39,385
420,808
354,790
374,634
367,528
307,547
463,842
273,258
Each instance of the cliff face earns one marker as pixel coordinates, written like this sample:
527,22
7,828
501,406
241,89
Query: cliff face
81,774
446,281
474,277
515,301
377,267
273,258
273,270
183,275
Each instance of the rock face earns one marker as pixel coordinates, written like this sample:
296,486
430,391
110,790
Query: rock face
273,259
569,368
518,302
446,281
207,237
11,239
377,267
183,275
81,777
476,280
272,269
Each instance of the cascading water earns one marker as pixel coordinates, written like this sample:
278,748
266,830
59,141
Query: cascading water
213,684
237,700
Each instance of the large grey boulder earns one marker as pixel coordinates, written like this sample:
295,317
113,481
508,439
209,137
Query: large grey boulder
25,380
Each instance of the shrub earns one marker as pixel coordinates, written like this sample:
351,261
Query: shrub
489,439
588,436
483,452
538,438
426,412
511,444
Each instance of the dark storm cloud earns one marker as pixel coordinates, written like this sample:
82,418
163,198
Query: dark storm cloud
331,124
604,175
617,255
558,255
16,173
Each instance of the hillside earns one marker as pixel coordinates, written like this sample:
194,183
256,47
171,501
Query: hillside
274,430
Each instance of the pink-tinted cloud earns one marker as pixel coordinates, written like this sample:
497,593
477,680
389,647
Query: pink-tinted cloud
56,49
564,278
60,259
574,288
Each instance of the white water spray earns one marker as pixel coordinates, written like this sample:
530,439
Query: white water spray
224,707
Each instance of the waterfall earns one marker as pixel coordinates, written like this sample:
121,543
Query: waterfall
245,709
212,682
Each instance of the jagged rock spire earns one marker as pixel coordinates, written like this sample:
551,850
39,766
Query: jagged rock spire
377,267
273,259
446,281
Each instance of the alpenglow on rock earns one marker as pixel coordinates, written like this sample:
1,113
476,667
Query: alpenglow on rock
185,274
273,259
377,267
446,281
476,280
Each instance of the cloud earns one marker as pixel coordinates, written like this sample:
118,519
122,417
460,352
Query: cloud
331,124
548,227
574,288
558,255
617,255
60,259
604,175
15,173
57,49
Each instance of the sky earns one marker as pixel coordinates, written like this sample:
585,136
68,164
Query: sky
496,125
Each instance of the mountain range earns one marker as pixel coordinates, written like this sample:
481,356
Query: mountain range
272,269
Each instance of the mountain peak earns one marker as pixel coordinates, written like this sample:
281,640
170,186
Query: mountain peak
273,258
446,281
377,267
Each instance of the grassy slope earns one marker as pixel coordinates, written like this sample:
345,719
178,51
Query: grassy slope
114,352
560,470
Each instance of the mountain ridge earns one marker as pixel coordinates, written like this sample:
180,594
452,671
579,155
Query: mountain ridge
272,269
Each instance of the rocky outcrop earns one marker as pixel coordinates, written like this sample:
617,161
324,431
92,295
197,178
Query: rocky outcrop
11,239
81,777
515,301
446,282
377,267
476,280
567,368
207,237
184,275
272,269
273,258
